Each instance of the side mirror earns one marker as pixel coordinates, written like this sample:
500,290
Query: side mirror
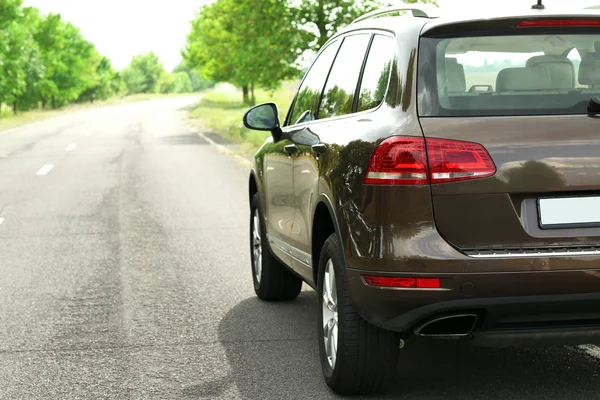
263,117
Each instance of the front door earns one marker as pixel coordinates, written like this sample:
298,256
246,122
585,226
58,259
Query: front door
306,191
279,192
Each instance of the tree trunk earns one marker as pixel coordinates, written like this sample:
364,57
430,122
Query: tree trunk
15,107
53,103
252,98
321,23
43,103
245,92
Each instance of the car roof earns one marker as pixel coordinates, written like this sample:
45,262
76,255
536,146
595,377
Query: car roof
439,17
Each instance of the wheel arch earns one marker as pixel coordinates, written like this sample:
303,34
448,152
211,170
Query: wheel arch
252,185
324,224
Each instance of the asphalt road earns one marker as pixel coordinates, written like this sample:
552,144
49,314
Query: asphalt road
124,273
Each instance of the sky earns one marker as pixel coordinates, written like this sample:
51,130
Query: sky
121,29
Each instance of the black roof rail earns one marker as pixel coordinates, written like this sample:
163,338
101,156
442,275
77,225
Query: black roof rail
416,12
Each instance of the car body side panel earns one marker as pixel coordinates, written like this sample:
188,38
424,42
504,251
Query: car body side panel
274,172
343,167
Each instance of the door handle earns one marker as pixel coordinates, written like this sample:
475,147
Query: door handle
290,149
319,149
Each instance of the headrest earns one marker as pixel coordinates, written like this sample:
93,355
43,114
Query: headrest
455,76
523,79
589,69
562,70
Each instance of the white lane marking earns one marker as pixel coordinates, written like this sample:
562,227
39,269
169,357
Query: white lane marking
45,169
1,221
224,149
591,350
71,147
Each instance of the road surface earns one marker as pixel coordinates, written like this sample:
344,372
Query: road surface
124,273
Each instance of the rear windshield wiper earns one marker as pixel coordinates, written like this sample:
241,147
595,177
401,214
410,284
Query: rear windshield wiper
594,106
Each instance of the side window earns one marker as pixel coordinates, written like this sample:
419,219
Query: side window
377,73
338,97
309,94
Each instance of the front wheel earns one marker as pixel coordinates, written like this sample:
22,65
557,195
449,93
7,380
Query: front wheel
272,280
356,357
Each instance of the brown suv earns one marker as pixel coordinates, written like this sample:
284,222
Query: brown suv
436,177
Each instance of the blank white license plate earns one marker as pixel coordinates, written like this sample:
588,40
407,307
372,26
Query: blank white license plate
570,211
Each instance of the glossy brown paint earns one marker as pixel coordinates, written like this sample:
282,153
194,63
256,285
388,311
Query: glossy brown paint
421,230
274,170
498,298
534,156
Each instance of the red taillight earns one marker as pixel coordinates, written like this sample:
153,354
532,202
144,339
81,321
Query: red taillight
540,23
404,161
429,283
407,283
398,161
451,160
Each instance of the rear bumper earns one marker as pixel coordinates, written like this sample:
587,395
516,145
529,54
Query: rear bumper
550,307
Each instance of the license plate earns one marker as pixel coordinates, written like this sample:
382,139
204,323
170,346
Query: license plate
569,212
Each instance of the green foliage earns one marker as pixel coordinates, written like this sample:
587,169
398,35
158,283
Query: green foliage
322,18
104,83
180,83
46,61
145,74
198,82
258,42
14,37
222,112
245,42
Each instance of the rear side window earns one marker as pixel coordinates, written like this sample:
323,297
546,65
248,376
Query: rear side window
338,98
309,94
377,73
533,74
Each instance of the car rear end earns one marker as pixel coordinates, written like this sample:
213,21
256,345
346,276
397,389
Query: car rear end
489,224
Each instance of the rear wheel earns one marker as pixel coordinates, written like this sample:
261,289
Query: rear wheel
272,280
356,357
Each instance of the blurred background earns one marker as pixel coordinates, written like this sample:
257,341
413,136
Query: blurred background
62,53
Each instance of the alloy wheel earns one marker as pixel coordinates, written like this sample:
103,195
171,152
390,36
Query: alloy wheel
330,314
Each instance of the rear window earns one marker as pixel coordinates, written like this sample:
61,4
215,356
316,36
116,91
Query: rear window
537,74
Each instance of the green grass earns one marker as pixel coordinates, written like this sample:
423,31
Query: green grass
9,120
222,111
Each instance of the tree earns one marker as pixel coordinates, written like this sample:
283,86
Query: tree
179,82
20,64
10,10
246,42
46,60
258,42
102,85
34,66
198,82
69,61
143,74
322,18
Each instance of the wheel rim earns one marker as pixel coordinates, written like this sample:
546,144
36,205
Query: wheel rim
330,314
256,246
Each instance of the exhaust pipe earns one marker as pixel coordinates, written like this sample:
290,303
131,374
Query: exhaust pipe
449,326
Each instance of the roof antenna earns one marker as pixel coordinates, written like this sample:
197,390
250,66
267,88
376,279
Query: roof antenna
538,6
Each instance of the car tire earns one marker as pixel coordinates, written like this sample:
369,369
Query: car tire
272,280
363,358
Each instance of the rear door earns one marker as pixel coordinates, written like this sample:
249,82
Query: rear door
522,91
314,138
